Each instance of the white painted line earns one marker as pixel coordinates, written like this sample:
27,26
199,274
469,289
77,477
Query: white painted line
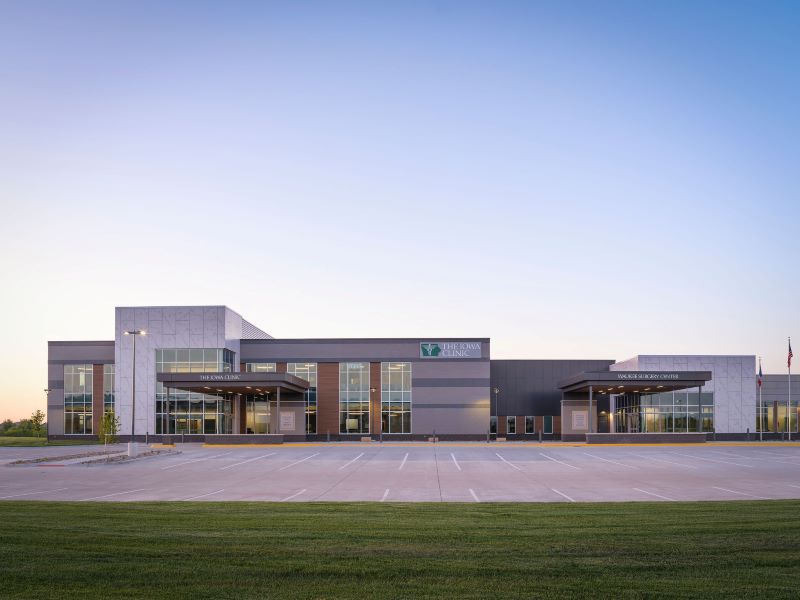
474,495
455,461
193,461
741,493
293,496
726,462
402,464
654,494
351,462
559,462
116,494
508,463
610,461
671,462
794,486
386,493
562,494
297,462
204,495
247,461
32,493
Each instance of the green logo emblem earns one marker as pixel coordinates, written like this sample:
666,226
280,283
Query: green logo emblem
430,350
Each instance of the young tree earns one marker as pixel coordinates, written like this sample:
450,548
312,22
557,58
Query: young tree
37,420
108,428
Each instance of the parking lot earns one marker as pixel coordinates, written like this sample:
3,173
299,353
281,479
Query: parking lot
497,472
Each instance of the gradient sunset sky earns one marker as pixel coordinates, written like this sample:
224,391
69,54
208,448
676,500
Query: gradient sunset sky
571,179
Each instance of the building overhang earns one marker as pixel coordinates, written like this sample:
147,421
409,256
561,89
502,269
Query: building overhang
233,383
622,382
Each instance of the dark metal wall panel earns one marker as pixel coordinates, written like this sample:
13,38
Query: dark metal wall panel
530,387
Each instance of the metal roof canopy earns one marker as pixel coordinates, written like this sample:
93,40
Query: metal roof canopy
620,382
233,383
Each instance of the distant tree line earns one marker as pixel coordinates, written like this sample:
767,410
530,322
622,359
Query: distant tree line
32,427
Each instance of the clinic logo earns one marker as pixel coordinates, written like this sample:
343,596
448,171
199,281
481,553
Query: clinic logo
430,350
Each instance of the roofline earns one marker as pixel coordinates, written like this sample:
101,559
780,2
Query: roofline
410,339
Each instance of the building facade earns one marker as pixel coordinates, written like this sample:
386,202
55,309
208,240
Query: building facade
206,371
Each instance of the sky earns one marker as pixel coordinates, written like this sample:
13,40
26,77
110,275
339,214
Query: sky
571,179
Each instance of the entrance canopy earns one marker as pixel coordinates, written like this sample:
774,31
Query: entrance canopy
623,382
233,383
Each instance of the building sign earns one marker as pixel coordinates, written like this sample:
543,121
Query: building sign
287,420
226,377
579,420
647,376
450,350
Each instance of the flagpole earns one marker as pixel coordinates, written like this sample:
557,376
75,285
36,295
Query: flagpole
760,405
789,401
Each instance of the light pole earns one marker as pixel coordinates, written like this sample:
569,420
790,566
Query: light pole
47,412
132,444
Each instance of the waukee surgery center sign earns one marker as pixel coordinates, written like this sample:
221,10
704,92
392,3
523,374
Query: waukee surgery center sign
450,350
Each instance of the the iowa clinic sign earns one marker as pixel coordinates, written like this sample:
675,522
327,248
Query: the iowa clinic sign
450,350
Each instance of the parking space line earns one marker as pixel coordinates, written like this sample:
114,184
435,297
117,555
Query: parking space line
654,494
610,461
562,494
111,495
402,464
351,462
671,462
558,461
385,493
794,486
247,461
204,495
474,495
741,493
453,456
725,462
508,463
32,493
297,462
188,462
293,496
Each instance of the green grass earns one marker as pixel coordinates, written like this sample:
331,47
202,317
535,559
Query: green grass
42,441
362,550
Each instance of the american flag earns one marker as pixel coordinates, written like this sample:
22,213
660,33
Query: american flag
789,361
760,376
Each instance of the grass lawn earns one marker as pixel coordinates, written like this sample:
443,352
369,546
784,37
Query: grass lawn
42,441
369,550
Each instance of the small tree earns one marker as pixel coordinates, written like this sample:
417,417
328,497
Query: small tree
108,428
37,420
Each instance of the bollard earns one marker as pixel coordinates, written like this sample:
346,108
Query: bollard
540,436
488,434
329,435
182,433
748,435
146,436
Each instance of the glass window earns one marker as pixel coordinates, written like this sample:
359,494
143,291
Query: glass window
78,381
307,371
183,412
396,397
354,397
493,425
261,367
511,425
529,425
108,388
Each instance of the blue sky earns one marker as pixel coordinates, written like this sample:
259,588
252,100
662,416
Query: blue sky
574,180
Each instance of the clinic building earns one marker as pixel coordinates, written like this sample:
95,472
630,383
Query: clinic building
206,374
